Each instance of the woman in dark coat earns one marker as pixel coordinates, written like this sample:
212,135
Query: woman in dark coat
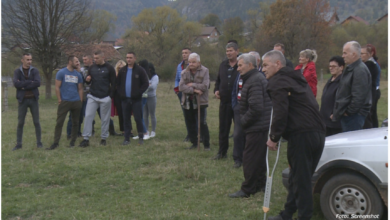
336,67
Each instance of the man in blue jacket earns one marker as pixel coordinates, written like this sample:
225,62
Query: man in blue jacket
26,81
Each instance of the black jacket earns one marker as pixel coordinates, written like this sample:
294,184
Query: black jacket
255,104
354,93
327,102
22,84
139,82
374,71
295,110
102,79
225,81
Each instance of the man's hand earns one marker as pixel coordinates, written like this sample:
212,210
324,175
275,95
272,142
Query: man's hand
59,101
331,117
217,94
272,145
198,91
88,79
189,84
345,114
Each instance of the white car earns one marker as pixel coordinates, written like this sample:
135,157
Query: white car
352,175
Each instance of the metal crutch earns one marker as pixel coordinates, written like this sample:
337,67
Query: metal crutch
268,185
198,97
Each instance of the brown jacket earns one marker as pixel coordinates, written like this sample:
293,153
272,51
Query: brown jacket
200,81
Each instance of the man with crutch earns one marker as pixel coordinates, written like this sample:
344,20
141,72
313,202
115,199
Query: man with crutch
296,118
255,111
195,82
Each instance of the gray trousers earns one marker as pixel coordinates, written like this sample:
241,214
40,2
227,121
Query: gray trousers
93,104
22,111
150,109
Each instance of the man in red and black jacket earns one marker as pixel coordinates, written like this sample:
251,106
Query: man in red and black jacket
296,118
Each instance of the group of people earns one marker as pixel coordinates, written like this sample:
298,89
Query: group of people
251,94
266,98
128,89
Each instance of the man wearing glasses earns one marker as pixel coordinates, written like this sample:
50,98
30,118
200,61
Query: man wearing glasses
223,90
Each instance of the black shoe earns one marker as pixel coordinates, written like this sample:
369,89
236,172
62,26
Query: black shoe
219,156
239,194
84,143
194,146
71,144
207,148
52,147
39,145
140,141
17,147
237,164
68,137
103,142
186,139
126,143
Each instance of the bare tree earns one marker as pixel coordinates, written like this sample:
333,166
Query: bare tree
45,26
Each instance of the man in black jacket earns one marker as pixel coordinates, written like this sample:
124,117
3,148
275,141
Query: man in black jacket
255,112
280,47
101,76
353,98
26,81
223,90
295,117
132,81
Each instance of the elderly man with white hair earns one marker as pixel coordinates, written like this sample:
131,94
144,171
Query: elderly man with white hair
195,82
297,118
255,113
353,98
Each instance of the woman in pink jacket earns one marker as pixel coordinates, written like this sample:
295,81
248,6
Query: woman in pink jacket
307,59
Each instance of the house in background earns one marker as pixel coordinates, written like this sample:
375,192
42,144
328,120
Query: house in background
210,33
354,19
383,18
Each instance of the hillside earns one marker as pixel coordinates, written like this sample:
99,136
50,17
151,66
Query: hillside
197,9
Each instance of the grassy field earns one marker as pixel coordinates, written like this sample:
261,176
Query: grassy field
159,180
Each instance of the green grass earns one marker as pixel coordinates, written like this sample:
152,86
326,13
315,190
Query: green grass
159,180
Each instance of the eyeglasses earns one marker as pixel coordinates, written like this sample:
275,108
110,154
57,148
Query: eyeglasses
330,67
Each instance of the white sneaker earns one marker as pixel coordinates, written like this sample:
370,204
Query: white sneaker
153,134
146,137
136,137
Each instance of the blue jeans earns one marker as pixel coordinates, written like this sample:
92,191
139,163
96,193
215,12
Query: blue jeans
144,100
22,111
352,122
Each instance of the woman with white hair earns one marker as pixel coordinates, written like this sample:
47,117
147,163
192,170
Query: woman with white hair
307,59
194,83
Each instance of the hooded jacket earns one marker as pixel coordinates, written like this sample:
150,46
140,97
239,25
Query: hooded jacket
23,84
295,110
354,93
102,79
255,103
